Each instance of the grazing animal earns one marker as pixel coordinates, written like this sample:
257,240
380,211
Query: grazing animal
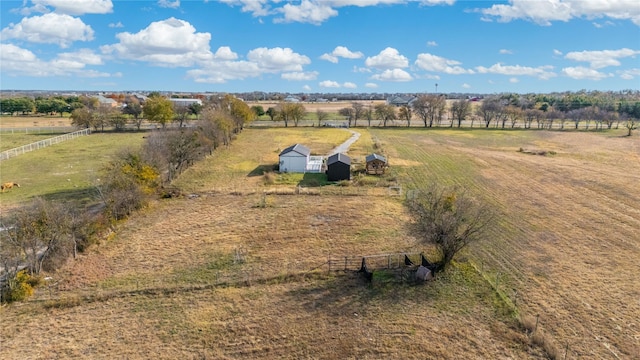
8,185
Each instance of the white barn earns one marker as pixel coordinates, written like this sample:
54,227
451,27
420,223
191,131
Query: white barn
294,159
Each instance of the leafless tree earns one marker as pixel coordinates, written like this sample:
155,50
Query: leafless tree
321,115
358,112
405,113
385,112
489,110
449,219
429,108
460,109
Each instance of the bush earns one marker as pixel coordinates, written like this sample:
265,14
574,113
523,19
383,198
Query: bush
269,178
21,286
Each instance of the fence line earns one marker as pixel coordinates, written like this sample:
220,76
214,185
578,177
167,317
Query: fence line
42,144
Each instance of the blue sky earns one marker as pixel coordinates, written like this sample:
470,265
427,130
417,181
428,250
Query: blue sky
341,46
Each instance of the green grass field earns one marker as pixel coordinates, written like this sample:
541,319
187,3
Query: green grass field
64,171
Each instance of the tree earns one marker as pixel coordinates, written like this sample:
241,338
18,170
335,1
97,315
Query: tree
385,112
127,183
82,118
195,109
429,108
181,115
159,110
132,107
405,113
449,219
489,110
460,109
39,231
272,113
321,115
358,112
347,112
258,110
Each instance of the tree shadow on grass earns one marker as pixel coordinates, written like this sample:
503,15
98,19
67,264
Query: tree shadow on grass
314,180
261,169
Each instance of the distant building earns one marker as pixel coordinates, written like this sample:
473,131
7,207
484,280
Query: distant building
106,102
292,99
184,102
401,100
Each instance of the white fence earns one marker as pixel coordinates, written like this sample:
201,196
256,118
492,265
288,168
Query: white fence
42,144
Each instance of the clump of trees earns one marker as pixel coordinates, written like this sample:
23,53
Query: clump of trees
448,219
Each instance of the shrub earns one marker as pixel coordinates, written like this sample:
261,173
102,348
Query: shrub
21,286
269,178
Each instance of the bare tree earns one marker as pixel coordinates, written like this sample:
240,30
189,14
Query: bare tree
321,115
405,113
449,219
358,112
489,110
429,108
39,231
385,112
347,113
460,109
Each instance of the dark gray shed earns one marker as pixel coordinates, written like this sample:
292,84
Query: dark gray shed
338,167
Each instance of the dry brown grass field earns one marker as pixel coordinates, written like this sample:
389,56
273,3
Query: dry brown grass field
227,272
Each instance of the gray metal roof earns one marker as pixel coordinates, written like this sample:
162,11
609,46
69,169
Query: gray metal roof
375,157
339,157
299,148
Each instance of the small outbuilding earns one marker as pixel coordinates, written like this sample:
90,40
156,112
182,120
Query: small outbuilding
338,167
376,164
294,159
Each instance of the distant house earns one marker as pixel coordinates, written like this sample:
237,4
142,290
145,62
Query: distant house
106,102
292,99
376,164
294,159
338,167
184,102
401,100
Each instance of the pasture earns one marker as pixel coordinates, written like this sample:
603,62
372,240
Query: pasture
213,275
66,171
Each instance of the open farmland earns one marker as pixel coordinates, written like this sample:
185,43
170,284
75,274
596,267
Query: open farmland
217,275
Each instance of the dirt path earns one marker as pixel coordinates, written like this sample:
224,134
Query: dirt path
344,147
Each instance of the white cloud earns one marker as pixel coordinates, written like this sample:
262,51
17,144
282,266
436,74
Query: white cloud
84,56
225,53
557,52
514,80
255,7
349,85
74,7
543,12
629,74
388,58
466,86
505,52
396,75
277,59
313,11
171,42
581,73
602,58
432,43
300,76
49,29
430,62
306,88
341,51
371,85
116,25
306,12
169,4
17,61
541,72
329,84
259,61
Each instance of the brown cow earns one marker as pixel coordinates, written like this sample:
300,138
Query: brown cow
8,185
